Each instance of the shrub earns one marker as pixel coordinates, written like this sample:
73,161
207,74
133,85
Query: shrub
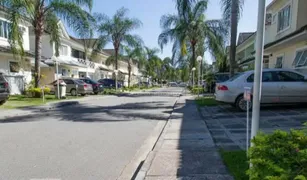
37,92
197,90
281,155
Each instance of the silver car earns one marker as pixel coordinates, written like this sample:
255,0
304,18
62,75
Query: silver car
75,86
278,86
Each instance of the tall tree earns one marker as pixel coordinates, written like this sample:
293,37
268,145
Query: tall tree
117,30
231,13
188,29
133,56
44,16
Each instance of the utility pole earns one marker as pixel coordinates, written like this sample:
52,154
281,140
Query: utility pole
258,69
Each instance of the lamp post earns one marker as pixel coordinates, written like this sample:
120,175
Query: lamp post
55,60
258,69
193,73
116,85
199,59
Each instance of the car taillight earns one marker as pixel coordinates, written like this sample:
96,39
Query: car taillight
6,85
85,85
222,88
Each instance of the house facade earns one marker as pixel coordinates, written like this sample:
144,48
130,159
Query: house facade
73,61
17,70
286,34
245,52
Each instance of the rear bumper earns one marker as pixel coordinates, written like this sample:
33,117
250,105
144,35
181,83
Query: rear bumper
225,97
4,96
86,91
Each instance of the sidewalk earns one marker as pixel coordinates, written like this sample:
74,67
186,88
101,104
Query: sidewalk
185,149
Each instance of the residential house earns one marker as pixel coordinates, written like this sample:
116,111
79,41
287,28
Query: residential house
245,52
17,70
72,59
286,34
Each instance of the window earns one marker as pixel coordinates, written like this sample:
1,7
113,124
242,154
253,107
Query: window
288,76
266,77
279,62
284,18
14,67
68,81
64,72
300,58
63,50
4,29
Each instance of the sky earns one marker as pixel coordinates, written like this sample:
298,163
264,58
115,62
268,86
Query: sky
150,12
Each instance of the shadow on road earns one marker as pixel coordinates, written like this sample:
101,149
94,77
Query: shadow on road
157,110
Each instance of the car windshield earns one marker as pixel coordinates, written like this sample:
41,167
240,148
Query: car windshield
235,77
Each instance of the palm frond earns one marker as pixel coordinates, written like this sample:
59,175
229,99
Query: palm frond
226,8
71,13
52,26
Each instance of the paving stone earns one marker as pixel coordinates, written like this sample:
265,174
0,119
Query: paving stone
218,132
184,163
238,131
186,136
187,144
235,126
228,147
195,177
222,140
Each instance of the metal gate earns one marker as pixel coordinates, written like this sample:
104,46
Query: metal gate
16,84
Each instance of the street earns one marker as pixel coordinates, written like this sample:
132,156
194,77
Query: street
96,139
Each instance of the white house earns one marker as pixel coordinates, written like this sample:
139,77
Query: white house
286,34
245,52
72,60
16,70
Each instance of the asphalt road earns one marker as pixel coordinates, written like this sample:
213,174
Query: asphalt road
95,140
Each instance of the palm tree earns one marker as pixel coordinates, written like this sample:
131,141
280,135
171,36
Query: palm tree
133,56
231,13
189,29
44,16
152,61
117,29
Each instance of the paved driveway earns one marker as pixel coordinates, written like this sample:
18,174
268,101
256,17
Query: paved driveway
94,140
228,126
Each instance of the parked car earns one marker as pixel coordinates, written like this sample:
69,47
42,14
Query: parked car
172,84
97,87
4,90
75,86
278,86
109,83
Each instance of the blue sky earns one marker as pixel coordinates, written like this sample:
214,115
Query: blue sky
150,12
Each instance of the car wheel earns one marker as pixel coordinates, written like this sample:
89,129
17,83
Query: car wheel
83,94
241,104
73,92
96,93
2,102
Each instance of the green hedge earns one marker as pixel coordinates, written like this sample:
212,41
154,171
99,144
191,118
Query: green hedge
279,156
197,90
37,92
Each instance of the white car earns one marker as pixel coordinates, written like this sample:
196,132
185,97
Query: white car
278,86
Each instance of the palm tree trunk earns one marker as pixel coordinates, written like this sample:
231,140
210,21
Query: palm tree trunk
116,64
233,38
38,53
193,59
129,74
